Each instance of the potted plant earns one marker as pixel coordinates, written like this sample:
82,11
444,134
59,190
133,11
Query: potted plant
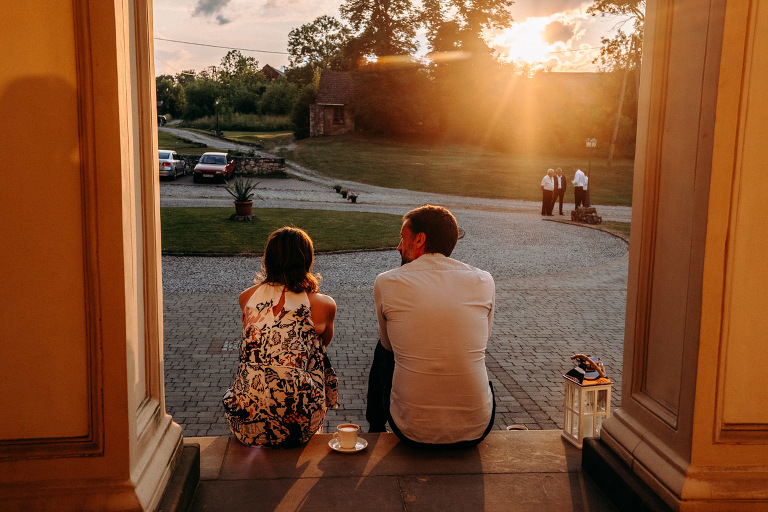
242,191
352,197
343,193
337,188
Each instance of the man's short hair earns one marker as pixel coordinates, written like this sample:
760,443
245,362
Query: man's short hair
438,224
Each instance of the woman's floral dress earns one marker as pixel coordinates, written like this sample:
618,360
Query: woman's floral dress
284,382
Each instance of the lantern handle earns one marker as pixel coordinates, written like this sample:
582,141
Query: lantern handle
589,363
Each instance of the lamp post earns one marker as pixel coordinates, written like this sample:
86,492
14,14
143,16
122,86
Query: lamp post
216,104
591,144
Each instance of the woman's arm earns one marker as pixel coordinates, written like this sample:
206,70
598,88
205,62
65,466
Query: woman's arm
323,314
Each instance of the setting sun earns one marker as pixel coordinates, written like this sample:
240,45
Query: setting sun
523,43
555,42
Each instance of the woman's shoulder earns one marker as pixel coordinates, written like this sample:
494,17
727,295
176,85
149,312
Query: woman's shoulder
320,299
247,294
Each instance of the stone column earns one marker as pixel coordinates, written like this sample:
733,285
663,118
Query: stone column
693,425
83,423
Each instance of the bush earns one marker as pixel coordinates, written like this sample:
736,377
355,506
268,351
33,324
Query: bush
242,122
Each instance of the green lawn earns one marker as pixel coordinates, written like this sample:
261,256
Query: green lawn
620,228
269,139
454,169
210,230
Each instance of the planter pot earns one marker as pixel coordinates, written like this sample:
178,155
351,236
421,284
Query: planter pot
353,198
243,208
344,194
337,188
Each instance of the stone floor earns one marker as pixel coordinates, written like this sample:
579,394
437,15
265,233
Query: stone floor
509,471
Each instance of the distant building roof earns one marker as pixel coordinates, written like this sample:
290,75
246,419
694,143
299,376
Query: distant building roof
271,73
336,88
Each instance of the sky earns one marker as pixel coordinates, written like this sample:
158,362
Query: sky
553,34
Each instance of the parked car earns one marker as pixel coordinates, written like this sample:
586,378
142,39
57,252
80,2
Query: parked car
214,166
170,165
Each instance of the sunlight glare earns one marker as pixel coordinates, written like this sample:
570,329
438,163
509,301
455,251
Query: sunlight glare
523,43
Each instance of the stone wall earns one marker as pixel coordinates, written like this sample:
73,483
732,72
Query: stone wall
256,165
245,165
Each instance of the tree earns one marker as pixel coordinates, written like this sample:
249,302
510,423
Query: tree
318,44
623,51
201,97
278,98
236,66
382,27
459,24
300,111
170,96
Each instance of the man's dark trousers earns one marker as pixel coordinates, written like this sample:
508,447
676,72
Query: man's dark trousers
558,195
578,195
379,388
546,202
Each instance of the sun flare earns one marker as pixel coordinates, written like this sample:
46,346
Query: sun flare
523,43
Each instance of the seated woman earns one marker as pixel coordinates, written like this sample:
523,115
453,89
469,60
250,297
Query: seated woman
284,382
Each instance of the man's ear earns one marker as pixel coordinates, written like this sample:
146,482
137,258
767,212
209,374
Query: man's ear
420,240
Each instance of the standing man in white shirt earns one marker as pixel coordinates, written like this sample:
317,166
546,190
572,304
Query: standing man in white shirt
547,192
428,379
578,187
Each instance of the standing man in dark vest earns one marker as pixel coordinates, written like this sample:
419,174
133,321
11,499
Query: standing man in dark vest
561,183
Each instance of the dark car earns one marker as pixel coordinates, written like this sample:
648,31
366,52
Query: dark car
214,166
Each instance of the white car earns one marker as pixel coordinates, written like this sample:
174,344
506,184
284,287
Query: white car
170,165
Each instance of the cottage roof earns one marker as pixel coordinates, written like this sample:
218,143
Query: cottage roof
271,73
336,88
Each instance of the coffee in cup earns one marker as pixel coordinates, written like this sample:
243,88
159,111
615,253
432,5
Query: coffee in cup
346,433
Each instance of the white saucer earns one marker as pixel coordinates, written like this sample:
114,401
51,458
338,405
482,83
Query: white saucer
335,446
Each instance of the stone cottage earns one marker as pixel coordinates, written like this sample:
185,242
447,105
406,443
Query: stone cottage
331,114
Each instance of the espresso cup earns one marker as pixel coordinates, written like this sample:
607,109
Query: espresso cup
346,433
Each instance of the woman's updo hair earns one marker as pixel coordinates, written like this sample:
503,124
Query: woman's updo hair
288,260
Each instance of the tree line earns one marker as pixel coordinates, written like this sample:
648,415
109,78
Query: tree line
461,92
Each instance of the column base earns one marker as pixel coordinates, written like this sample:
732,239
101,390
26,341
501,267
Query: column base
617,480
181,487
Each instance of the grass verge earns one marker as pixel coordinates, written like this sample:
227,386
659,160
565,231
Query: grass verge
619,228
455,169
211,231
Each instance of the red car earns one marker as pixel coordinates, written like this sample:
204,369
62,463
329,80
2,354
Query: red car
214,166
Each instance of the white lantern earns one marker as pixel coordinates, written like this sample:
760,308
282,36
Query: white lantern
586,407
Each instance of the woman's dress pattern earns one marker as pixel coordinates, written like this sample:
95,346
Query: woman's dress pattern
284,382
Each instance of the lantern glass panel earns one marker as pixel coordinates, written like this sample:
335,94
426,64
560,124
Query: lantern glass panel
602,400
589,402
589,423
575,425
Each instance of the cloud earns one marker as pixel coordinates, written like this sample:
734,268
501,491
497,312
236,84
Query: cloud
279,4
209,8
527,8
557,31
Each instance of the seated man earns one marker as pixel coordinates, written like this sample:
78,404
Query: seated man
428,378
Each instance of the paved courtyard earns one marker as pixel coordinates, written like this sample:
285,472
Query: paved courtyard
560,289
